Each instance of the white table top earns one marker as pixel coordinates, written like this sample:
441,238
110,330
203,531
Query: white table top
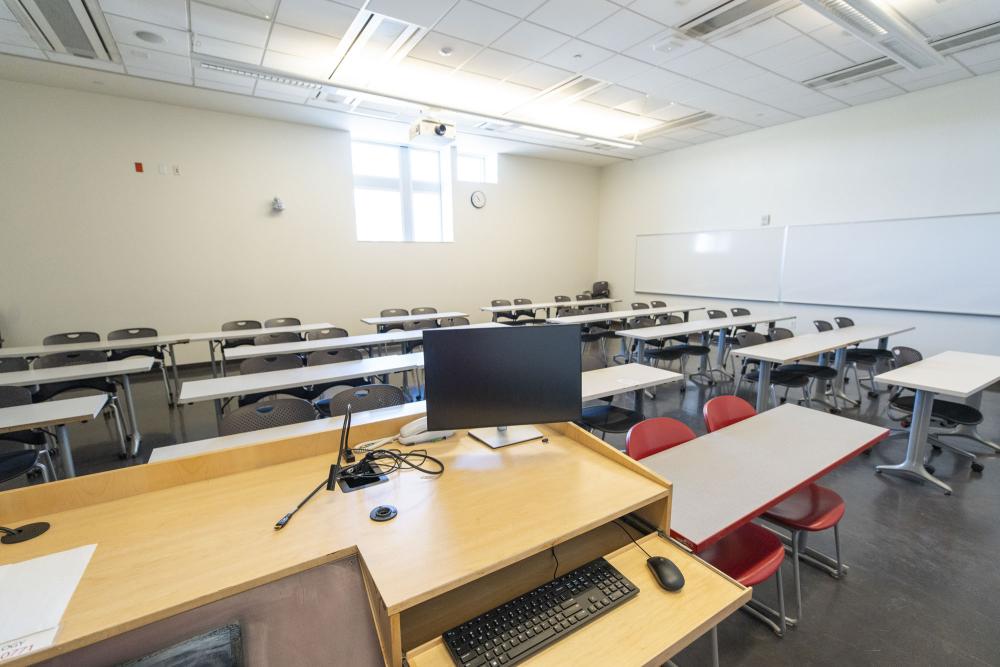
621,314
76,372
365,340
700,326
51,413
615,380
401,319
250,333
549,304
30,351
960,374
724,479
809,345
239,385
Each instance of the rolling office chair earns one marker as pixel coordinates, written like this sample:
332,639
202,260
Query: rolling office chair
365,397
812,509
277,362
156,353
682,348
275,338
815,372
749,370
332,332
866,358
750,554
282,322
267,414
320,394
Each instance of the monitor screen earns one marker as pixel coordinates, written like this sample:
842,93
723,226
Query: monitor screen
502,376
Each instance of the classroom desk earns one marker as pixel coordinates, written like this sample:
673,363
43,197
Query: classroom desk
54,413
722,325
218,338
158,342
177,537
403,319
549,305
810,345
724,479
958,374
607,316
121,369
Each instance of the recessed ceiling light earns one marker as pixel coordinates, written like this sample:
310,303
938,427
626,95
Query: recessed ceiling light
150,37
445,51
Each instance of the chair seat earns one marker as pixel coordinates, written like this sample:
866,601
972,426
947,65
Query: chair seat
867,354
677,351
949,411
17,463
750,554
811,370
813,508
35,438
117,355
53,389
295,392
779,377
609,418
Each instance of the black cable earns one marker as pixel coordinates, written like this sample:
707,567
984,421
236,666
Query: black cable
288,517
630,537
7,531
555,571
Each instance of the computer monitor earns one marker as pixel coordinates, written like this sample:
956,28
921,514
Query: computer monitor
503,378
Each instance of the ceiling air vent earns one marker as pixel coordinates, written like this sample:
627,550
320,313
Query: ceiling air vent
686,121
732,14
968,39
72,27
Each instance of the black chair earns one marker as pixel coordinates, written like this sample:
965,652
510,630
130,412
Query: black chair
742,312
332,332
454,322
138,333
14,396
582,297
424,310
638,305
750,370
864,358
365,397
51,390
266,364
528,313
560,298
822,325
505,314
275,338
323,357
282,322
239,325
601,289
681,348
391,312
657,304
21,462
607,418
72,337
595,332
13,364
815,372
267,414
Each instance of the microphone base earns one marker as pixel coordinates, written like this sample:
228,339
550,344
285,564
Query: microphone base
29,531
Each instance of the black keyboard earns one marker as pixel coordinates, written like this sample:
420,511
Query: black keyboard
514,631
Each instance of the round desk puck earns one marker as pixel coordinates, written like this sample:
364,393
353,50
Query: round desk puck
383,513
26,532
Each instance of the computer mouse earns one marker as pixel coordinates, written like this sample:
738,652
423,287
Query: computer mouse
667,574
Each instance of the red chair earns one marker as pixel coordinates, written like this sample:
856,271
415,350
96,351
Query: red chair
809,510
750,554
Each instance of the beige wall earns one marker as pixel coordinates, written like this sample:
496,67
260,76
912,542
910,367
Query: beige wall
87,244
930,153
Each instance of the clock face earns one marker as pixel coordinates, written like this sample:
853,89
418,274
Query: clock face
478,199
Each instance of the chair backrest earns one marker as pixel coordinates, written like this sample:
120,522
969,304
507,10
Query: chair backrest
279,337
601,287
240,325
780,333
13,364
582,297
716,314
669,319
71,337
366,397
748,338
843,322
420,324
642,322
282,322
739,312
59,359
638,305
722,411
560,298
134,332
567,311
275,412
655,435
454,322
658,304
521,302
822,325
590,310
332,332
333,356
423,310
904,356
393,312
11,396
277,362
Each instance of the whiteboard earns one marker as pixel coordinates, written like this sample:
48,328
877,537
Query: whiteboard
735,264
941,264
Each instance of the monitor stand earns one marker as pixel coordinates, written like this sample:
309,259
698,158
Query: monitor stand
501,436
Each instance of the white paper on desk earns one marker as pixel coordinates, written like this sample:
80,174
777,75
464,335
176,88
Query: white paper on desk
37,591
15,648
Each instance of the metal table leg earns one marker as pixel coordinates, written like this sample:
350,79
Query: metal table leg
763,384
211,354
65,453
218,412
840,365
916,447
136,436
173,372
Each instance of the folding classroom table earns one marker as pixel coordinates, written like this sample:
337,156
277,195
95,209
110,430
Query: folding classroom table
54,413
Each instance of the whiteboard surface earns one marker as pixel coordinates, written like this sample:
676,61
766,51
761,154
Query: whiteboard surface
942,264
734,264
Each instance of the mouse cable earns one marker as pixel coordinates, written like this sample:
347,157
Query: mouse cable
624,530
555,570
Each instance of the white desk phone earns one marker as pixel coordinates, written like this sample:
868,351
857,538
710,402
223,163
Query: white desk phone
416,432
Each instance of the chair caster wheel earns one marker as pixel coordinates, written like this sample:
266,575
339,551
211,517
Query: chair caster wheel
122,457
873,394
936,448
867,452
929,469
834,411
977,466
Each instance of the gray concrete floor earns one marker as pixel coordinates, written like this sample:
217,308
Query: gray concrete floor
923,588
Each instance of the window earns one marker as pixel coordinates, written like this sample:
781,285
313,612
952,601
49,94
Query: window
399,194
476,168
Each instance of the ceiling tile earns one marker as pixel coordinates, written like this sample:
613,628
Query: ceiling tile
665,143
530,40
306,67
497,64
845,43
619,68
672,111
230,26
691,135
622,31
940,19
261,9
612,96
429,48
541,76
576,56
5,13
866,89
519,7
423,12
986,67
26,51
12,33
778,57
572,16
160,75
220,48
169,13
925,78
815,65
655,81
329,18
662,47
757,37
673,12
726,126
124,31
282,92
733,73
978,55
804,18
303,43
224,87
475,23
231,82
700,60
134,57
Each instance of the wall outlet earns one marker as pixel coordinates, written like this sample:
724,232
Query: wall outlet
765,220
177,170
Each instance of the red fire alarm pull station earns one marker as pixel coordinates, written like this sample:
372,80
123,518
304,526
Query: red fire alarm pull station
138,167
